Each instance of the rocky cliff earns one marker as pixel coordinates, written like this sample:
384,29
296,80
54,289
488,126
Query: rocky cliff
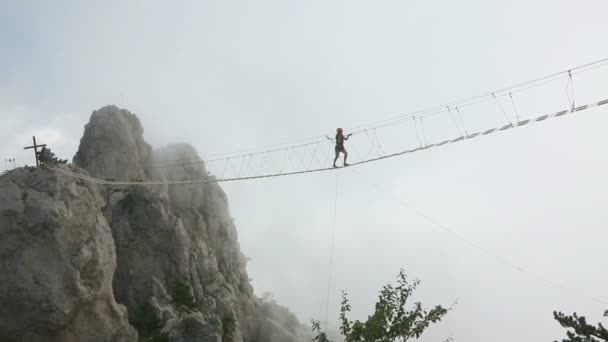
57,260
83,262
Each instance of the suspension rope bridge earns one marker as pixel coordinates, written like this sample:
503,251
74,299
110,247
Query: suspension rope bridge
440,109
313,155
423,146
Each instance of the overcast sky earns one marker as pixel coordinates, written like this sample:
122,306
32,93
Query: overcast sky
228,75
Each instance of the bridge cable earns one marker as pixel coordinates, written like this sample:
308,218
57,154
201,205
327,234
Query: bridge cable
331,253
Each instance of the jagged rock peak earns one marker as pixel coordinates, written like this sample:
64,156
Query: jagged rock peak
113,145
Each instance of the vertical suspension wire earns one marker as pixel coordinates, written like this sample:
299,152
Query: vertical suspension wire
263,159
571,85
502,109
331,253
251,164
242,165
416,129
297,159
378,142
358,154
464,128
514,108
422,128
245,165
372,146
248,168
454,120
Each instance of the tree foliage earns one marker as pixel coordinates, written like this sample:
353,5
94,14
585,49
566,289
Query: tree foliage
581,330
391,321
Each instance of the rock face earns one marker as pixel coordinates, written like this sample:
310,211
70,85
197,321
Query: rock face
77,254
57,260
113,146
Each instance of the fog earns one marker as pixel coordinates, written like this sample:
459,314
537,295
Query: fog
227,76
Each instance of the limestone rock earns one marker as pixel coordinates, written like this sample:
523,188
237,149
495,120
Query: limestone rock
192,328
112,146
57,259
71,250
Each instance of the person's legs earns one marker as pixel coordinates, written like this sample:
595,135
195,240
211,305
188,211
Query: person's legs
337,155
345,156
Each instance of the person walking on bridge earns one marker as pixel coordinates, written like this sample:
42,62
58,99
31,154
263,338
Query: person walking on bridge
340,138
